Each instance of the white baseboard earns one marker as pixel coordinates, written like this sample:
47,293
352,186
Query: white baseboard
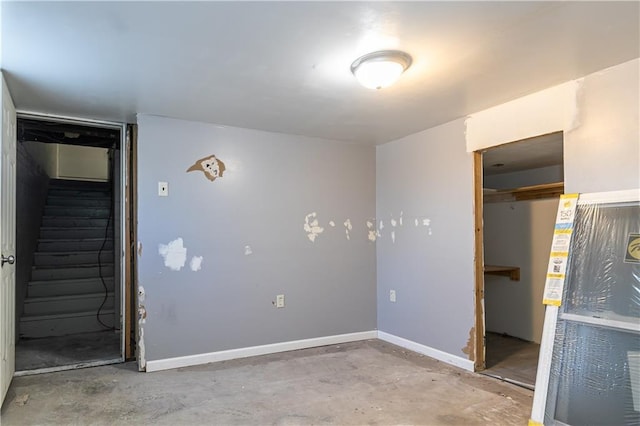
189,360
185,361
428,351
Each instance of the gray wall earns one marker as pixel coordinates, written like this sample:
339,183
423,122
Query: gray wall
31,194
272,182
430,174
426,176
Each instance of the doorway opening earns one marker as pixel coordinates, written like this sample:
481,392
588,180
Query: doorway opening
520,187
69,221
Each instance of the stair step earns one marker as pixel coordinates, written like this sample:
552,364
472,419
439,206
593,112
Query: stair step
74,244
77,184
56,221
53,233
104,202
67,304
82,193
71,257
76,211
68,272
49,288
36,326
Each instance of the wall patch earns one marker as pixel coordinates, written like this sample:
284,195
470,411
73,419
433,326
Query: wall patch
196,263
174,254
211,166
347,228
142,319
311,226
372,233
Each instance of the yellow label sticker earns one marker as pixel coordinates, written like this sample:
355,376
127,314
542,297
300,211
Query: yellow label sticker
632,254
559,254
556,276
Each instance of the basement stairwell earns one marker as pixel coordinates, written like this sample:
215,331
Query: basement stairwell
72,277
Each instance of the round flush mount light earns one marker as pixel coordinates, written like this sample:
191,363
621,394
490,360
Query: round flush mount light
380,69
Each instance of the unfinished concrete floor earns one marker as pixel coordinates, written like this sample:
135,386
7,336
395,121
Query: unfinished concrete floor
369,382
34,354
512,359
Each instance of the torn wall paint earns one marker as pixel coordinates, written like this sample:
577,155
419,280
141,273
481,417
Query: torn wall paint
142,319
347,228
469,349
372,233
211,166
311,226
174,254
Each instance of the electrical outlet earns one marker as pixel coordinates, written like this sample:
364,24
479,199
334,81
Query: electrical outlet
163,189
392,295
280,301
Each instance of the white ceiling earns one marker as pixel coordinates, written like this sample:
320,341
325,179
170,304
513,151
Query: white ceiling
284,66
532,153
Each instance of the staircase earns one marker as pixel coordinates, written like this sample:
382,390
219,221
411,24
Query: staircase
65,290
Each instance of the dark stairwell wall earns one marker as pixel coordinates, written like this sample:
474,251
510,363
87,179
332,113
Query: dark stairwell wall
31,193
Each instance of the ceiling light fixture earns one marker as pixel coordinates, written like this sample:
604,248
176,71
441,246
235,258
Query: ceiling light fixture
380,69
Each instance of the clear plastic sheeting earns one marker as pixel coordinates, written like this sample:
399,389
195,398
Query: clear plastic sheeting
595,365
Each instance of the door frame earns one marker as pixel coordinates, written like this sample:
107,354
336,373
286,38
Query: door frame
479,353
125,285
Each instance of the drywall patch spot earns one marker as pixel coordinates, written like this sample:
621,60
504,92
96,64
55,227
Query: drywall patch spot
211,166
248,251
311,226
393,237
174,254
469,350
393,222
142,319
332,224
196,263
139,249
400,220
347,228
372,232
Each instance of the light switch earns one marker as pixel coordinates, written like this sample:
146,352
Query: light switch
163,189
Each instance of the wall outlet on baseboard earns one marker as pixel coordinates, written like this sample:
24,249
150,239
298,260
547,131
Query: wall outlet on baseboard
280,301
392,295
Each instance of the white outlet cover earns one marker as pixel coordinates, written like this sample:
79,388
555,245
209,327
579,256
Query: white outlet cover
163,189
280,301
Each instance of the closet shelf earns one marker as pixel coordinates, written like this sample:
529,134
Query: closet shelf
535,192
513,272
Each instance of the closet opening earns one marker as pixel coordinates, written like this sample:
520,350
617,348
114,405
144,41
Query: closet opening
516,205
